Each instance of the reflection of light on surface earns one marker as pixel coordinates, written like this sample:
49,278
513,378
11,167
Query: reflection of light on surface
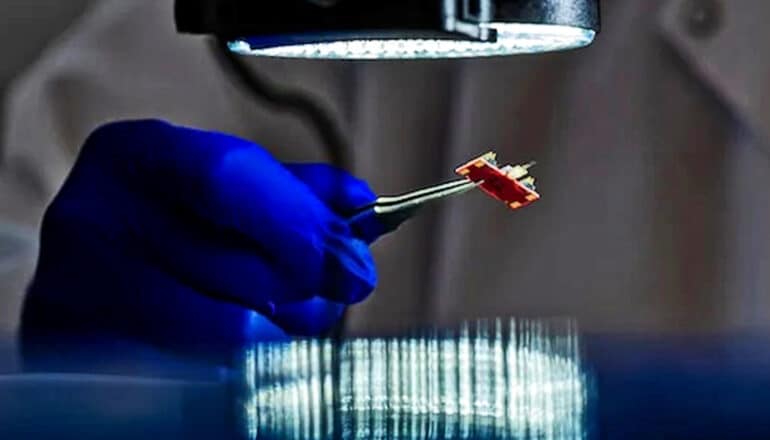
513,38
517,380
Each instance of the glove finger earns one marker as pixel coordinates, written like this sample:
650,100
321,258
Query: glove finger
344,194
340,285
341,191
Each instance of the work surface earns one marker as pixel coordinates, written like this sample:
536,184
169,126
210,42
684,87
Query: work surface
637,388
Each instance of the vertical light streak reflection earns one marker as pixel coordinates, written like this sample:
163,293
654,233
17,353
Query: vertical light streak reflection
396,386
328,400
434,386
379,389
498,381
448,379
345,393
492,379
465,369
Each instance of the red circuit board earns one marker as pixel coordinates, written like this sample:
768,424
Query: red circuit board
505,184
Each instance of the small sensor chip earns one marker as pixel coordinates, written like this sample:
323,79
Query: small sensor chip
510,184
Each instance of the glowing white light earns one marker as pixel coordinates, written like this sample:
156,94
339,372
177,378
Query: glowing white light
514,380
513,38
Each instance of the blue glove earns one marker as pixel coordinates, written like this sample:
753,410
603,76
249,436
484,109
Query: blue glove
176,237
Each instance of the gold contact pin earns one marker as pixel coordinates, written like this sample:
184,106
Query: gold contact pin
491,156
528,180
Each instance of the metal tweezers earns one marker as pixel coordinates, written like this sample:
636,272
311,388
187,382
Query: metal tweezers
391,211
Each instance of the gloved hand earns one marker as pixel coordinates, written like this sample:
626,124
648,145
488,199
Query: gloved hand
176,237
